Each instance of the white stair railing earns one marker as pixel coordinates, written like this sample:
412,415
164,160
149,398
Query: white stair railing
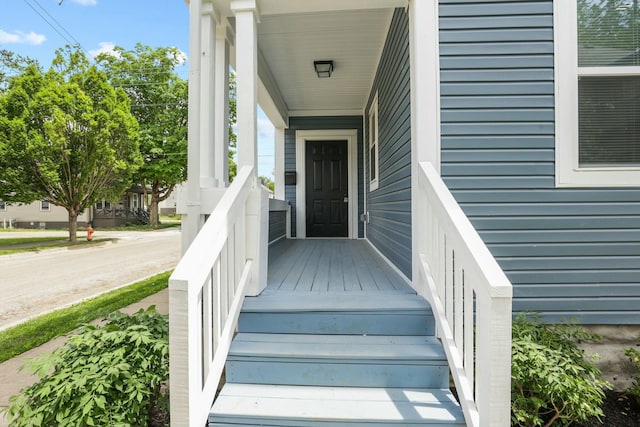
206,291
471,300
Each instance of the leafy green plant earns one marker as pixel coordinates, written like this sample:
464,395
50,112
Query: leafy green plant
41,329
551,380
113,375
634,357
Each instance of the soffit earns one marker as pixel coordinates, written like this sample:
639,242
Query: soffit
352,39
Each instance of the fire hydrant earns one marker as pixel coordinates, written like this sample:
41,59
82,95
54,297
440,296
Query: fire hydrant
89,232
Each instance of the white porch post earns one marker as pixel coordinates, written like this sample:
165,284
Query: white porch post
192,220
425,107
222,105
246,12
279,162
208,110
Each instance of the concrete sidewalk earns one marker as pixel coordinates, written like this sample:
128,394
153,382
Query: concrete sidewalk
12,381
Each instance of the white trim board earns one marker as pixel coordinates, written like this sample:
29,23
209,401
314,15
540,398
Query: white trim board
391,264
351,136
567,169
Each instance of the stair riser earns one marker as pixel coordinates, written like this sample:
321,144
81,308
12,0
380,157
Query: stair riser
338,374
332,323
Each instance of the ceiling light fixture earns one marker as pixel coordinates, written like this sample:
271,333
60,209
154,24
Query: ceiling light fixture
323,68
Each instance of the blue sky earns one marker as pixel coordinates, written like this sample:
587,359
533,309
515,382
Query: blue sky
36,28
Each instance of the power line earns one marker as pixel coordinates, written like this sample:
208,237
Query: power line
59,26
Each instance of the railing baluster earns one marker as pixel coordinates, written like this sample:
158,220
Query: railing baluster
215,307
207,324
469,330
458,307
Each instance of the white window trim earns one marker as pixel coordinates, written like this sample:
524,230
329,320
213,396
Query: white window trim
373,112
43,209
3,206
568,171
351,136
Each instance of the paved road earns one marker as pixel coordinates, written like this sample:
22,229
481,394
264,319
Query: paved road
33,283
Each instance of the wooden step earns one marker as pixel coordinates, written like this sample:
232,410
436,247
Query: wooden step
337,360
331,313
265,405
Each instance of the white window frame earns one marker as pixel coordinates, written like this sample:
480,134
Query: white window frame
373,138
42,208
568,171
3,206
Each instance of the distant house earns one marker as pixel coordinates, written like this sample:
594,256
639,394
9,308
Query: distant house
40,214
45,215
477,148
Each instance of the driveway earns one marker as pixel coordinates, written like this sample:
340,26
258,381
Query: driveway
34,283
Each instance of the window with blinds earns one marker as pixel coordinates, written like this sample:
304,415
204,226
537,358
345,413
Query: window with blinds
609,83
373,145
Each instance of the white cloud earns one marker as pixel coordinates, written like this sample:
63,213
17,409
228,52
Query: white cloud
104,47
86,2
18,37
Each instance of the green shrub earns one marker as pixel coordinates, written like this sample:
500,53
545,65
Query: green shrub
634,357
551,381
114,375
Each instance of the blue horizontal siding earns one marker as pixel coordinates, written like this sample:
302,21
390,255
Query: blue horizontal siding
389,206
277,225
570,253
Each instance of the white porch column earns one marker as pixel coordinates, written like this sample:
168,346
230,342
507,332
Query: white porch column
208,107
222,105
279,162
192,220
246,12
425,107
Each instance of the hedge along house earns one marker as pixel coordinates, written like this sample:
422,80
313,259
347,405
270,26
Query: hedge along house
452,146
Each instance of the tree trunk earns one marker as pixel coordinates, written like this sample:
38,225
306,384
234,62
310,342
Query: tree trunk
154,218
73,225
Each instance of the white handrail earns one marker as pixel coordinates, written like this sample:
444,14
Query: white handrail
206,291
471,300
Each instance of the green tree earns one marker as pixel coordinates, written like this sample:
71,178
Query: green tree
66,136
267,182
159,103
233,118
10,64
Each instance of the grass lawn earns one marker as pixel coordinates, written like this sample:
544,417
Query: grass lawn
39,330
138,227
13,245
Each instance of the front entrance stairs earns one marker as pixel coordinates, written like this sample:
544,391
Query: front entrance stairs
336,359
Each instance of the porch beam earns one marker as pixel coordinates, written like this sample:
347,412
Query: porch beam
246,13
277,7
269,96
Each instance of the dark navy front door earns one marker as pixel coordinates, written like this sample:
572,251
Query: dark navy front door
326,188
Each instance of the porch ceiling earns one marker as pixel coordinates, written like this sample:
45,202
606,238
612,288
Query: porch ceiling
353,39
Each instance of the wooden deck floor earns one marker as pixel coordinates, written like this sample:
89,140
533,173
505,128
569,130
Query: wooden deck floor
324,265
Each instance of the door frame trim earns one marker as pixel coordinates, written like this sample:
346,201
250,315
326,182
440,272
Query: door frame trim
349,135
